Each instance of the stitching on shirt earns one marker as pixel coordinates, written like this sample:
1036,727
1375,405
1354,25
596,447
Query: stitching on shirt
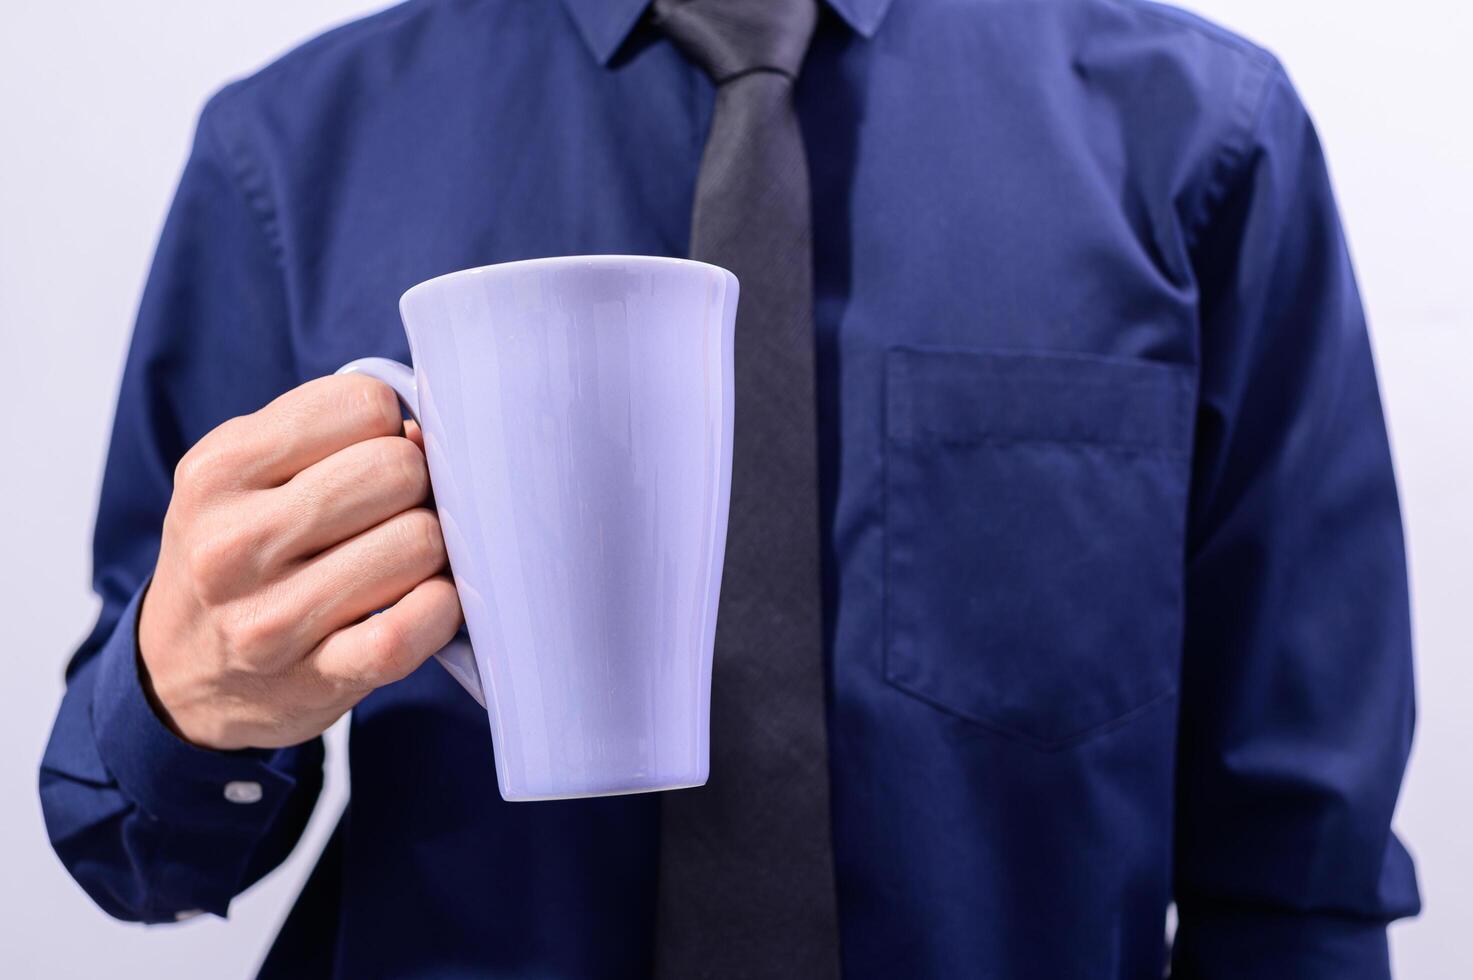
354,31
1112,384
240,171
933,438
1041,744
1167,379
1200,26
1251,97
1232,164
1047,355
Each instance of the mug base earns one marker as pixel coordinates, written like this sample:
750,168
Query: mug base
613,791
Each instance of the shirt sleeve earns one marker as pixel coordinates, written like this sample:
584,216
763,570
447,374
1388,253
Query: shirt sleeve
153,828
1297,700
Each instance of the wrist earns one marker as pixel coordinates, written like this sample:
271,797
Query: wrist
158,676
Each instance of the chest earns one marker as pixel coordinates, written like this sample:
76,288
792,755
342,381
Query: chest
1004,325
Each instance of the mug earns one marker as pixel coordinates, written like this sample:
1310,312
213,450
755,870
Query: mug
577,416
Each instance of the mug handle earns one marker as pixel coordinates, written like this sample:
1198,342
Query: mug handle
456,657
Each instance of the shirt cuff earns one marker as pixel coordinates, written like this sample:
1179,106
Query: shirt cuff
161,773
1216,944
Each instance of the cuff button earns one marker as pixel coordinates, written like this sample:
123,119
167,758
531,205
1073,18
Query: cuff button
243,791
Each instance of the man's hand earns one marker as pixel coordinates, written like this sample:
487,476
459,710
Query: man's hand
286,529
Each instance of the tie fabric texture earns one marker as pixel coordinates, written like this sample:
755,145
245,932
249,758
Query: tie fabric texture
746,885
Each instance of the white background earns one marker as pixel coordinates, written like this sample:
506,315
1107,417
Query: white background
97,104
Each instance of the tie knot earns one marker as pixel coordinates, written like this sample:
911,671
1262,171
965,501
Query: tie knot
733,37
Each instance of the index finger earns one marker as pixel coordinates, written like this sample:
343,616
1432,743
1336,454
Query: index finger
304,426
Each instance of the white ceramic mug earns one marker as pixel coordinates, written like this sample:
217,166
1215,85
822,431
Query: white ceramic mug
577,415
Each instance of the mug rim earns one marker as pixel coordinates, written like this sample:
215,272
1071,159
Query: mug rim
475,272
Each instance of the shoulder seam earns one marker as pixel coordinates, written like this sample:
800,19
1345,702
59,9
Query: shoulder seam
1219,36
352,30
243,175
1236,147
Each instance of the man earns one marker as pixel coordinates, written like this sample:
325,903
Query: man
1078,419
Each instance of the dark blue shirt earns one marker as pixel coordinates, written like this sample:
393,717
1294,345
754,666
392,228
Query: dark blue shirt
1114,578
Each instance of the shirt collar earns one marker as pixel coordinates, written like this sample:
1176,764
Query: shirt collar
605,24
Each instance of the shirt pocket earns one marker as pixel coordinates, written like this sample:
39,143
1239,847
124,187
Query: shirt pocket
1034,535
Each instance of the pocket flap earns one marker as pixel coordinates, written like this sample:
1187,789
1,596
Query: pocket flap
1003,397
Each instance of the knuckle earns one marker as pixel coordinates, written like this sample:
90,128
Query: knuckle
214,457
224,553
386,649
310,508
200,567
397,470
421,529
373,404
254,631
187,471
208,560
403,459
195,468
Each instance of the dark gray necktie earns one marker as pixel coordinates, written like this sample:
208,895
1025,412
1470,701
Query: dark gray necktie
746,862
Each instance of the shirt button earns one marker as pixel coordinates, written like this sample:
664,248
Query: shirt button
243,791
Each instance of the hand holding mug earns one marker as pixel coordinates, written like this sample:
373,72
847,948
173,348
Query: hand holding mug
288,527
578,418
